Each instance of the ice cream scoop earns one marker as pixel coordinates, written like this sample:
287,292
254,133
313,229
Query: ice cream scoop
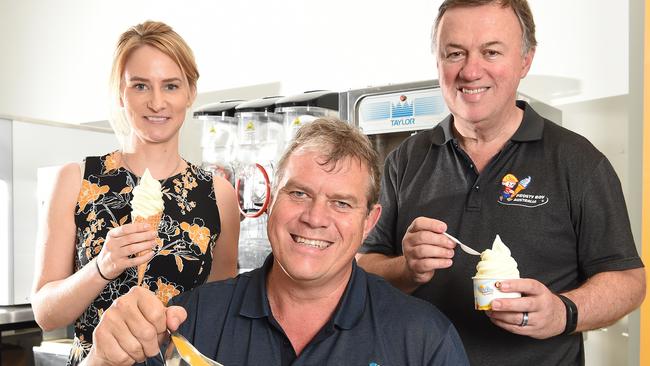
184,350
147,206
497,262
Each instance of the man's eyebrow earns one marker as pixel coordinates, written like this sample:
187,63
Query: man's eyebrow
486,44
492,43
344,197
292,184
454,45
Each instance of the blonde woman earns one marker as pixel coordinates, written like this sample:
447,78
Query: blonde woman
88,255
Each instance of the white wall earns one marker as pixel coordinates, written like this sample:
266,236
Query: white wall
56,55
65,143
583,50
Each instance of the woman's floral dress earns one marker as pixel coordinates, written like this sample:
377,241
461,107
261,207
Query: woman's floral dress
187,234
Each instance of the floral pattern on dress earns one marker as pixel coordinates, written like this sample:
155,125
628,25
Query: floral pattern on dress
200,235
189,228
182,187
112,161
165,291
89,193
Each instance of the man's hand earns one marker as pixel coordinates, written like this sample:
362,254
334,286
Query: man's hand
132,329
426,249
546,312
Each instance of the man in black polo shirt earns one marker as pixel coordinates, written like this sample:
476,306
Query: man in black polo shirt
567,228
309,304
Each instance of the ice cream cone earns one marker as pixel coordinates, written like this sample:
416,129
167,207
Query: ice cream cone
147,206
153,222
520,187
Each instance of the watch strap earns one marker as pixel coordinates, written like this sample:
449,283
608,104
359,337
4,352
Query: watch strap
571,314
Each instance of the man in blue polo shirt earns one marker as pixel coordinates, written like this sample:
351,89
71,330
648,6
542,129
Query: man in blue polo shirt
494,166
309,304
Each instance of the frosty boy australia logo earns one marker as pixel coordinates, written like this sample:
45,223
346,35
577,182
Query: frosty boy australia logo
513,195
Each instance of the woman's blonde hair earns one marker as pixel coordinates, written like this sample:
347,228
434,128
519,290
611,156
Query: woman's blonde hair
163,38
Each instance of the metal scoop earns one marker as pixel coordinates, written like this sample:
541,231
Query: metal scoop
464,247
183,353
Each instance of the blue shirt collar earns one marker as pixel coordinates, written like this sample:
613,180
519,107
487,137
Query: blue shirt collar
255,303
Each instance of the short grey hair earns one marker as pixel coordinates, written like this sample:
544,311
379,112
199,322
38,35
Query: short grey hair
336,140
520,7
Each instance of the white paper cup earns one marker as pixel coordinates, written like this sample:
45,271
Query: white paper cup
485,291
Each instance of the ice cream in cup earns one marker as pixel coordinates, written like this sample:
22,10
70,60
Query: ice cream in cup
496,265
147,206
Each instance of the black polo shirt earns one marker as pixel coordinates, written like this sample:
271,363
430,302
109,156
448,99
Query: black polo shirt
568,223
374,324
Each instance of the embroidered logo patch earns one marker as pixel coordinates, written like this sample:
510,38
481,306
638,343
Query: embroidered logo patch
512,193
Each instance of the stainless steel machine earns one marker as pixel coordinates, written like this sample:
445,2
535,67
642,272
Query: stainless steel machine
389,114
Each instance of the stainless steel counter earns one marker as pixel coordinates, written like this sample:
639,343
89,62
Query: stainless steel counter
14,315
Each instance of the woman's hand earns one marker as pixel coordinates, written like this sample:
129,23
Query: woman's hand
121,246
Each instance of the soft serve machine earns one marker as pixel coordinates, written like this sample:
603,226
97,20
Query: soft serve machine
243,140
261,139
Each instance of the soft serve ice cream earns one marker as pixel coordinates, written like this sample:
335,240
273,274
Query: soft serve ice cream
147,206
496,264
147,197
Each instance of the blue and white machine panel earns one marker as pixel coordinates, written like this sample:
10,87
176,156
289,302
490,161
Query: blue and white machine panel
401,111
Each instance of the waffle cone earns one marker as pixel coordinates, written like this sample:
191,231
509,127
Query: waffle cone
153,221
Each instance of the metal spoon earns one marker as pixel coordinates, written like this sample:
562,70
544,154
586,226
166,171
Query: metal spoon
464,247
184,353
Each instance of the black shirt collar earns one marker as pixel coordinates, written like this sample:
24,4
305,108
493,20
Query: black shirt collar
255,303
530,129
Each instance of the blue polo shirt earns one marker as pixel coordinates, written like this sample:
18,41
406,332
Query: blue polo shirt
374,324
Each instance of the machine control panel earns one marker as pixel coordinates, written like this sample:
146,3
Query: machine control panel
400,111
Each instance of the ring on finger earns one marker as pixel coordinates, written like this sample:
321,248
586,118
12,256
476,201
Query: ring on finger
524,320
